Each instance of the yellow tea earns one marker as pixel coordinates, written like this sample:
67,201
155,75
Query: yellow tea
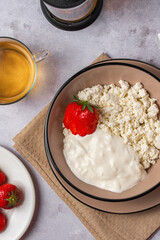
17,71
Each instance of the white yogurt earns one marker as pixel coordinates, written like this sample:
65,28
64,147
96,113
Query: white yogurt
103,160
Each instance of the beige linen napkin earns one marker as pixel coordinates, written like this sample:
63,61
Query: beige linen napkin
30,143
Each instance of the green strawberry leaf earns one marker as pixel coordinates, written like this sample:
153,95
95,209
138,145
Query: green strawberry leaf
95,106
75,98
84,106
90,108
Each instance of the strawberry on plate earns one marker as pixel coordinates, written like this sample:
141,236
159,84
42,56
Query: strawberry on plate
2,178
81,117
10,196
2,222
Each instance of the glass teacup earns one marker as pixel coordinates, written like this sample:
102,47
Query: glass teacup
18,69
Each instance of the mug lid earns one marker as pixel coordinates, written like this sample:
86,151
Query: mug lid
72,26
64,3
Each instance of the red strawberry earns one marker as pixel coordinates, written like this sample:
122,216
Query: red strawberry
81,117
10,196
2,222
2,178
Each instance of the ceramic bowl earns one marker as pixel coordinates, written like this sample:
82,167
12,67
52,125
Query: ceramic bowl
102,73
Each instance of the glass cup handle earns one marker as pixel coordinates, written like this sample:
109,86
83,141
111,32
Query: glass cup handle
158,40
41,55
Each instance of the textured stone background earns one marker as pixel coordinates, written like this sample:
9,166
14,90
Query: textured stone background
124,29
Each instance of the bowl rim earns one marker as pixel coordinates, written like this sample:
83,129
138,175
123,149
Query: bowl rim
75,197
46,139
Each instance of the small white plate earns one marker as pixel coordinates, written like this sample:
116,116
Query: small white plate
18,218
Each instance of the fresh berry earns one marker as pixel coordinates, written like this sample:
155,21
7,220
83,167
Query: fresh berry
2,222
81,117
2,178
10,196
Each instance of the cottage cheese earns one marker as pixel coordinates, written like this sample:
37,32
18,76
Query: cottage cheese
128,111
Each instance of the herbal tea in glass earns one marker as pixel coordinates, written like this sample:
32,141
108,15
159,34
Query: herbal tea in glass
18,69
